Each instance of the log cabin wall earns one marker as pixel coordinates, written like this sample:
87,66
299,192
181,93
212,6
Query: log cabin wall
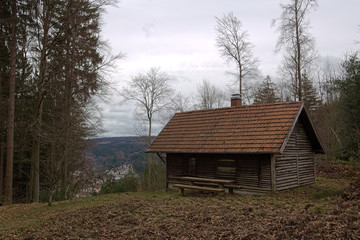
251,172
295,166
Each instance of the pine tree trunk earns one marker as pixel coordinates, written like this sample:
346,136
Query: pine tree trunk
50,200
149,156
10,124
2,156
68,107
35,159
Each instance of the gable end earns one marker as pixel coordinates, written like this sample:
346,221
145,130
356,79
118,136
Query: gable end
303,117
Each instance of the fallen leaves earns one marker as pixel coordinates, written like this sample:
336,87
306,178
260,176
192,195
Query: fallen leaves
199,216
353,191
304,213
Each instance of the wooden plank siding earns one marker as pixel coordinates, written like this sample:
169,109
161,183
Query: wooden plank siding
205,167
295,166
251,172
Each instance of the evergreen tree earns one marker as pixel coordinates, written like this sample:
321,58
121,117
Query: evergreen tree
14,19
266,92
350,107
309,93
5,31
59,63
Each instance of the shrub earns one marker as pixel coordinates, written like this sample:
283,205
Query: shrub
127,184
157,180
327,192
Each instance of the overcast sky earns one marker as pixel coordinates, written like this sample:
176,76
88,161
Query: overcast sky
179,37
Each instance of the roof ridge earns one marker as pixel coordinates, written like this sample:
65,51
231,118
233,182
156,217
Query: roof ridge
242,106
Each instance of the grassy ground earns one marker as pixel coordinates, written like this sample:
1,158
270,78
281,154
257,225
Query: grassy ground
314,212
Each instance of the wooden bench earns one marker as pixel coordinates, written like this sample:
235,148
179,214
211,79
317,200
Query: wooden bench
179,181
206,184
219,182
202,184
193,187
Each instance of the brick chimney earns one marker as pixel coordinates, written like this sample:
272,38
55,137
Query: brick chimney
235,100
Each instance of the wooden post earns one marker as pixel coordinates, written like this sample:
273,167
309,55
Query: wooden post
297,169
166,174
259,172
273,172
313,164
216,167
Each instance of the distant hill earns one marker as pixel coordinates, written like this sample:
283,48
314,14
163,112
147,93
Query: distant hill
107,153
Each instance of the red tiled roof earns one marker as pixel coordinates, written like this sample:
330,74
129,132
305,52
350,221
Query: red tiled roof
244,129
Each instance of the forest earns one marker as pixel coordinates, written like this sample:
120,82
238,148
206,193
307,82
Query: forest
53,70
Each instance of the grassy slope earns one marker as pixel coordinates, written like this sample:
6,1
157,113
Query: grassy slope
316,212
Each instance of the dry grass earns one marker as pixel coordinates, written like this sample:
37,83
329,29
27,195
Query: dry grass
314,212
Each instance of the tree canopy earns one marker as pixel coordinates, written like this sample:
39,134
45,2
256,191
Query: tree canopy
350,106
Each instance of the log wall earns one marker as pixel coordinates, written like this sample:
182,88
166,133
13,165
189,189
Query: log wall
251,172
295,166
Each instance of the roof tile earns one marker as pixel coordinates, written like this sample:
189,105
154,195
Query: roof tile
245,129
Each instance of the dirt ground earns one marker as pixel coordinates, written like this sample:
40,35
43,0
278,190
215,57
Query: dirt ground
314,212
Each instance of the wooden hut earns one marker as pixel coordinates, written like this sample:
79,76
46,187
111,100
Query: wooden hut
261,148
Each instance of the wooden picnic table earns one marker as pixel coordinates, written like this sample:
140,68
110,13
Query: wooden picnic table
196,181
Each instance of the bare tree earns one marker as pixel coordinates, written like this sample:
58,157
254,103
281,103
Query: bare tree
180,103
296,40
152,93
208,96
235,48
327,72
283,90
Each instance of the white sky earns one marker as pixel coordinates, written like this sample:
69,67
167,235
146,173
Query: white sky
179,37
